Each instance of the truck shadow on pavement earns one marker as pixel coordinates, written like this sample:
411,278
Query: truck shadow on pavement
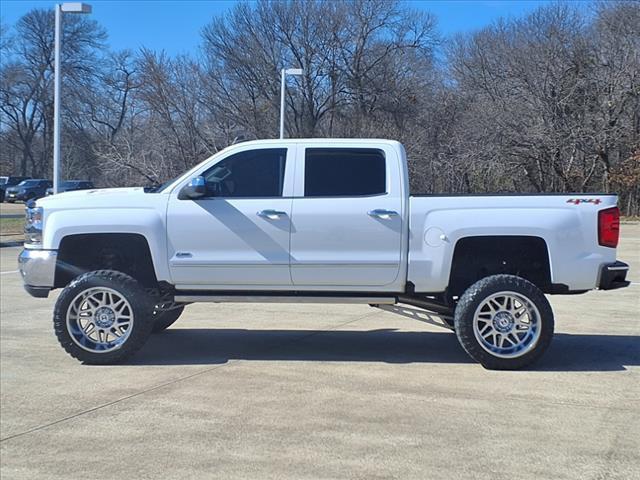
195,346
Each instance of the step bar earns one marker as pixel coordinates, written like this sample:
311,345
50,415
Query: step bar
192,298
307,297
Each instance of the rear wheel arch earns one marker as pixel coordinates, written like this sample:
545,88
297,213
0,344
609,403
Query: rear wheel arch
477,257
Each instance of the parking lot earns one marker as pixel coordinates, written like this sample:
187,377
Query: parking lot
322,391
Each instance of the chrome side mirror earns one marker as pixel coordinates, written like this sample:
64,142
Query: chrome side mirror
195,189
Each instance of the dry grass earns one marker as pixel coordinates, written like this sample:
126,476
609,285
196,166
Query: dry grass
11,226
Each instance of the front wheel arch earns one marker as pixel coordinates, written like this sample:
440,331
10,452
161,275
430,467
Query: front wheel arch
128,253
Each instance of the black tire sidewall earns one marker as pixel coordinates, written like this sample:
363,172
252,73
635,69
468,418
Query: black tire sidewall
127,287
476,294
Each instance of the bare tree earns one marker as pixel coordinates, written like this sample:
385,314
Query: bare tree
26,99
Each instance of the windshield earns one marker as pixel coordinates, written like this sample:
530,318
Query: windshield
28,183
160,187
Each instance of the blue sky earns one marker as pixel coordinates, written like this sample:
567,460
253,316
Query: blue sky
174,26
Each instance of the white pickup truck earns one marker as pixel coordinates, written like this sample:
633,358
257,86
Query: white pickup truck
308,220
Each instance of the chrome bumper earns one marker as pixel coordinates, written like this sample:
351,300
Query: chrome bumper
38,270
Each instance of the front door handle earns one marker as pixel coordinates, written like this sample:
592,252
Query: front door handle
271,214
382,213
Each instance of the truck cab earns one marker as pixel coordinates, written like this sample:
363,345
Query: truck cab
350,210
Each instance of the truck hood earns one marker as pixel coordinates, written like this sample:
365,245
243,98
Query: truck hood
93,197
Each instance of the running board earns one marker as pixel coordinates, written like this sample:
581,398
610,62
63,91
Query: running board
282,299
435,319
425,304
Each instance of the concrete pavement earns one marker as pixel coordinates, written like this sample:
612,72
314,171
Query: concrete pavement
322,391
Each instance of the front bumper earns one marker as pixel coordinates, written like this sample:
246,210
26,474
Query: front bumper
613,275
38,270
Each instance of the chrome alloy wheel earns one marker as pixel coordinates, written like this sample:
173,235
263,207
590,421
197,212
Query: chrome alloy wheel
99,320
507,324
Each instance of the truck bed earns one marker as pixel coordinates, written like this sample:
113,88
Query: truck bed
566,222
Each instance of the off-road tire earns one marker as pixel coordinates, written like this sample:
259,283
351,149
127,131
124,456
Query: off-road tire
163,320
141,305
476,294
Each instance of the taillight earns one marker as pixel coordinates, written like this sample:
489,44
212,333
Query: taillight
609,227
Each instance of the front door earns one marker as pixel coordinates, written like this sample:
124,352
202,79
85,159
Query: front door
238,236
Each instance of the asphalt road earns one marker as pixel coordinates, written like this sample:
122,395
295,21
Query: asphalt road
322,391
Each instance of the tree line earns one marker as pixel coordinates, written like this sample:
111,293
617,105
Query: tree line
549,101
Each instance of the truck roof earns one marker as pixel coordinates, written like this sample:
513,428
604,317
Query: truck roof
328,141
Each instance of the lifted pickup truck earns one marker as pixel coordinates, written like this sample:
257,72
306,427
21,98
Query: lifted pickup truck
315,221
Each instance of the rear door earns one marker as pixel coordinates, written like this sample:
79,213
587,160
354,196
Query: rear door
347,219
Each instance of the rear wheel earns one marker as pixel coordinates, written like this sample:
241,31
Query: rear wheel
504,322
103,317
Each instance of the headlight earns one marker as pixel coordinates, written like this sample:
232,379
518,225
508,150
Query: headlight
33,225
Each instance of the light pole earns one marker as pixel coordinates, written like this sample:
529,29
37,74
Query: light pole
283,74
60,9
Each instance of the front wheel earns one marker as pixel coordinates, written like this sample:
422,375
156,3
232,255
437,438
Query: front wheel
504,322
103,317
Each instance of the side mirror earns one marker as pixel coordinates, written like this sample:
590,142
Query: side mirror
195,189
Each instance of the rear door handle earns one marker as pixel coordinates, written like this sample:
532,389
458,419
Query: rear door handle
271,214
382,213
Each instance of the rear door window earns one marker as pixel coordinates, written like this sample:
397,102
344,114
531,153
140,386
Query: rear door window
344,172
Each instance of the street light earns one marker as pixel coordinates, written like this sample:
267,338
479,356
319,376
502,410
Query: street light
74,7
283,73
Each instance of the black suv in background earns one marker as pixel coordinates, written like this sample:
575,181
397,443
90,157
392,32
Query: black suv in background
70,185
28,190
6,182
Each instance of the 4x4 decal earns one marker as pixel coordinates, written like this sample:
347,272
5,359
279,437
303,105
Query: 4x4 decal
578,201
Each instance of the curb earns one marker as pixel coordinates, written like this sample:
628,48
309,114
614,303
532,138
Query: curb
11,244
